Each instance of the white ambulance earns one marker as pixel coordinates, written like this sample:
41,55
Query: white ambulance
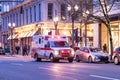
53,47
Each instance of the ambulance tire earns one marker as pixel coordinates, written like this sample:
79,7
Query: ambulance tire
57,60
70,60
36,58
52,59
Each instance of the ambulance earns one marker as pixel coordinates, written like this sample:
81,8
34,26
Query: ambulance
52,47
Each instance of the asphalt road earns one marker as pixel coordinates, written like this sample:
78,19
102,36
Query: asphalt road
25,68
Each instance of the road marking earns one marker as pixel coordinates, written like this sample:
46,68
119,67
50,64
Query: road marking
103,77
18,64
58,71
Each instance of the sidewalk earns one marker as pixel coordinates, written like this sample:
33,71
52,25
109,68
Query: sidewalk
18,56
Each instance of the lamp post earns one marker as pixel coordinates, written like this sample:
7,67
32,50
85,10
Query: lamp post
11,26
73,10
56,24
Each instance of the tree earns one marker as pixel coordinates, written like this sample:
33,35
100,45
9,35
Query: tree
105,6
102,7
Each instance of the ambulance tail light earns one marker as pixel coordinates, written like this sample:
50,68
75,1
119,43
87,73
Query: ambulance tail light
68,51
65,51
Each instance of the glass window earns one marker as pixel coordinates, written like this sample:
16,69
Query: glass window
27,16
59,44
34,13
63,11
118,49
95,50
50,10
39,11
0,8
30,14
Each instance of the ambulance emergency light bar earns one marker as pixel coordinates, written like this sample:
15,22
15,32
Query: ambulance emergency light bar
54,37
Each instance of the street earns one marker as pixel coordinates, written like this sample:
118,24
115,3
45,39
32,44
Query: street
25,68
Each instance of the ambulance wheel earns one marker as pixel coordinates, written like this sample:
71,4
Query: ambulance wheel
70,60
52,58
116,61
56,60
36,58
77,59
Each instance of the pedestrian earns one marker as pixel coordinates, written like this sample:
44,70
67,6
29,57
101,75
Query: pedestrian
24,50
17,49
104,48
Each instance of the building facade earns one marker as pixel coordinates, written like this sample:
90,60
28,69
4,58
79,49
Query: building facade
6,5
36,17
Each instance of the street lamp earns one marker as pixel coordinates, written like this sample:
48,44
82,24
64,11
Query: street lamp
11,26
73,11
56,24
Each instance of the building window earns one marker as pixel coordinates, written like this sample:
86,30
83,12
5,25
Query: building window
23,17
63,11
34,13
30,14
13,17
0,8
50,11
27,16
16,19
39,11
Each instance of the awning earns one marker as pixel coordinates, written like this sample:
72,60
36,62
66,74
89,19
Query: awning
31,33
20,35
25,34
9,37
12,36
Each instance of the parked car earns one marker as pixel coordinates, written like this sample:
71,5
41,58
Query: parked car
116,56
88,54
2,51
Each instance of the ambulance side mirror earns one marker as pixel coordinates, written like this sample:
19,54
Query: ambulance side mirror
45,46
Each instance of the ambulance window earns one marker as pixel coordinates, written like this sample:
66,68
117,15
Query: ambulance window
39,40
48,44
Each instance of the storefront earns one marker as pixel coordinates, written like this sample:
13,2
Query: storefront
115,27
22,36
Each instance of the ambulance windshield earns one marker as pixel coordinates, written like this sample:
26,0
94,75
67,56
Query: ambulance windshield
59,44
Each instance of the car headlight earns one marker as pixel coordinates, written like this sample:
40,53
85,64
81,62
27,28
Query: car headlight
72,52
96,58
56,52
